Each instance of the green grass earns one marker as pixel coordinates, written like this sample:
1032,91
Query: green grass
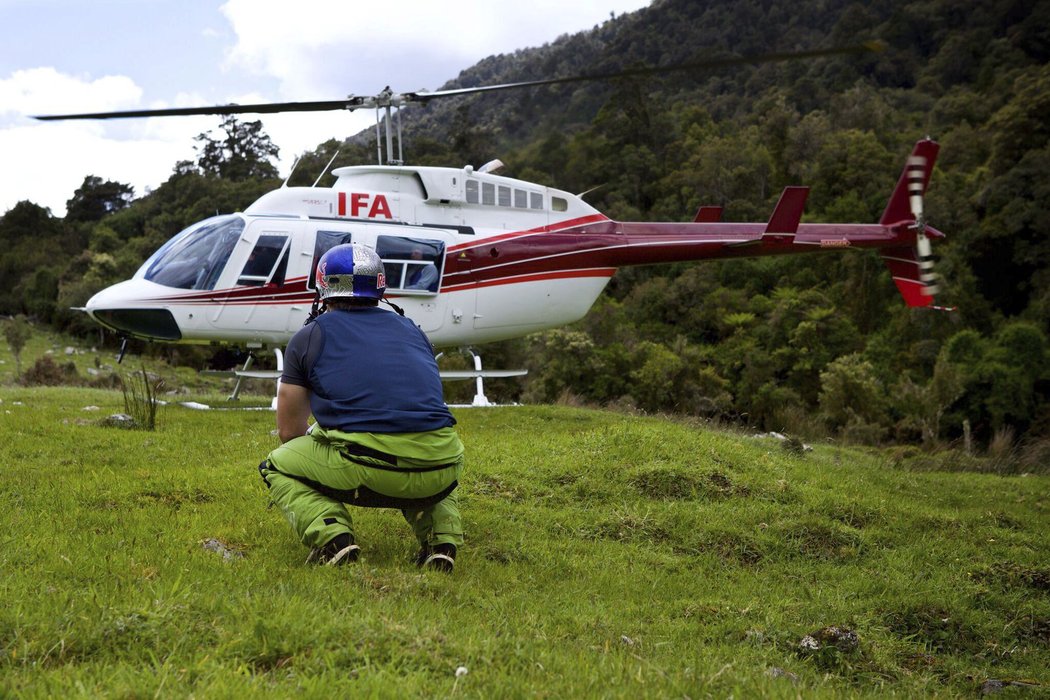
607,555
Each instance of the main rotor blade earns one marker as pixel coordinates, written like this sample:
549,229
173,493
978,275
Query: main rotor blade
870,46
264,108
387,98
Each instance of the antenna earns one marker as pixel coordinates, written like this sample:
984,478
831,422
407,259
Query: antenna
285,183
325,169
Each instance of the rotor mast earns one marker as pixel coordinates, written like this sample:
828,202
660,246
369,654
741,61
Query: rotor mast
387,101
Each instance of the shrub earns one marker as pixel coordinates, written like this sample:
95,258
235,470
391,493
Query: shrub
140,391
46,372
852,398
17,332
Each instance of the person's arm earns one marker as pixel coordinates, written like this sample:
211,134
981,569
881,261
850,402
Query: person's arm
428,278
293,411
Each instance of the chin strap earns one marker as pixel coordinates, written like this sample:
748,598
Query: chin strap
315,310
318,308
395,307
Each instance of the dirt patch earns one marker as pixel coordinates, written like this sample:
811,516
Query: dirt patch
936,628
816,539
674,483
175,499
1011,575
734,548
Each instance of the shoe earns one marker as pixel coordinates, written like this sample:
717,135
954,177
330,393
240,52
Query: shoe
440,557
338,551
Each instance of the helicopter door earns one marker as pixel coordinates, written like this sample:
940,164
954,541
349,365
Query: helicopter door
252,306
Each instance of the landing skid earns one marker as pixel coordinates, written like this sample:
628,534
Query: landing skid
478,375
246,372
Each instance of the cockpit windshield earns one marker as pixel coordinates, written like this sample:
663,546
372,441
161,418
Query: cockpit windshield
194,258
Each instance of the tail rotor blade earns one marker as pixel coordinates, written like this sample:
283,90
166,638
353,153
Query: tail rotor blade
916,184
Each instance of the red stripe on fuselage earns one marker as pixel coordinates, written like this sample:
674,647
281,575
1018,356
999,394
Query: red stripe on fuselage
537,277
549,228
293,291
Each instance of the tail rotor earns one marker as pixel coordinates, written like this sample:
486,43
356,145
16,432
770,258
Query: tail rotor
910,260
915,171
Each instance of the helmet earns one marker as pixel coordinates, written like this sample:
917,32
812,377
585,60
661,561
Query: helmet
350,270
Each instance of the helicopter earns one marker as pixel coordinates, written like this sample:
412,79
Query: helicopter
471,256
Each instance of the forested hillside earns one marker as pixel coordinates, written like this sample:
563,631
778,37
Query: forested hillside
819,345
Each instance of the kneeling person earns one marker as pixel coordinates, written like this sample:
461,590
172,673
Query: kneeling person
383,435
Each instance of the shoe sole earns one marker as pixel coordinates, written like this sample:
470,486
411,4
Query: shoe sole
439,562
349,554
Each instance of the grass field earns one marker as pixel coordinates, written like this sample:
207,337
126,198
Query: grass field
607,556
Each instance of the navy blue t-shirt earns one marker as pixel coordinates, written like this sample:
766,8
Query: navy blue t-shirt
368,370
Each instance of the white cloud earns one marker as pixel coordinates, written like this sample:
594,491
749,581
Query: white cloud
46,91
310,49
47,161
321,49
55,158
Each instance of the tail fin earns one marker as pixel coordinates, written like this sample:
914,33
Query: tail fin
911,266
906,201
708,215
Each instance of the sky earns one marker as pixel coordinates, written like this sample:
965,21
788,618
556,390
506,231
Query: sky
69,56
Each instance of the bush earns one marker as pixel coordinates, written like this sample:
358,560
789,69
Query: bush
17,332
47,372
140,398
851,397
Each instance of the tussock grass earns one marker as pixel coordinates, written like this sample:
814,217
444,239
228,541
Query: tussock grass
607,556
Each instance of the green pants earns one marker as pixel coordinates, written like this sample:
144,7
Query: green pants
311,478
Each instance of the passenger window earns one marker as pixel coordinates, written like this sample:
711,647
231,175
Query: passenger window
488,193
535,200
559,204
521,199
265,260
472,191
413,265
504,196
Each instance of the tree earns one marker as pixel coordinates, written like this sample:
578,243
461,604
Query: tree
923,406
97,198
17,332
851,397
30,238
244,151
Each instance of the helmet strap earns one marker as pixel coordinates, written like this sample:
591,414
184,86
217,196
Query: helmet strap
395,307
315,309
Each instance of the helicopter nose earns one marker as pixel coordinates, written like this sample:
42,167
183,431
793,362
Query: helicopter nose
155,324
112,309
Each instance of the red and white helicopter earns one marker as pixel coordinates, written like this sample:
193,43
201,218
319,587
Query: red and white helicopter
472,256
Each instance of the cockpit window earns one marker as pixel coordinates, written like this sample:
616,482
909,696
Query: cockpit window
264,258
194,259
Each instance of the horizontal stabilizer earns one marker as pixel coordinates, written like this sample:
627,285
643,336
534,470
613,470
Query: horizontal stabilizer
788,212
708,215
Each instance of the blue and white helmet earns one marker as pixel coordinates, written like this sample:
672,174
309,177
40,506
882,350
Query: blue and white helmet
350,270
